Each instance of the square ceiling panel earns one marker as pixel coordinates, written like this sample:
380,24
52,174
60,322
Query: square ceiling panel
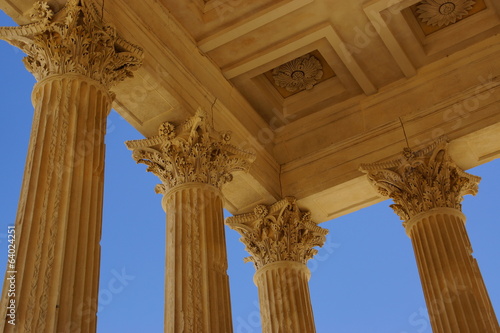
299,74
418,33
435,15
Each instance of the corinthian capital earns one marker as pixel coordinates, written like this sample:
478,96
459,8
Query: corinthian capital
422,180
280,232
191,153
75,40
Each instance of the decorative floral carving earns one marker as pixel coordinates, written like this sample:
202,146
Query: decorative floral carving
40,12
299,74
281,232
443,12
260,211
193,152
75,41
422,180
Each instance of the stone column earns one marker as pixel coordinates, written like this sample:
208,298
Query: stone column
280,239
76,59
193,161
428,188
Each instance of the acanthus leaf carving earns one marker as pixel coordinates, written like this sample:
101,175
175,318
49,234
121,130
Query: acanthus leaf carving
298,74
76,41
280,232
190,153
422,180
443,12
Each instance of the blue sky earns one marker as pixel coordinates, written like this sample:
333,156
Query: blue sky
364,280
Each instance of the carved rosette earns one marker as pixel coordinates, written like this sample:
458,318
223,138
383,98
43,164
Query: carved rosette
299,74
422,180
443,12
280,232
191,153
75,40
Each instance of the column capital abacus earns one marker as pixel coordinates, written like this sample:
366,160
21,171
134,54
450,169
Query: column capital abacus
421,180
73,41
280,232
190,153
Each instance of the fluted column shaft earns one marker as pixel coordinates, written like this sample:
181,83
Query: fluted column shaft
285,303
75,58
281,239
58,225
454,290
193,162
427,188
196,285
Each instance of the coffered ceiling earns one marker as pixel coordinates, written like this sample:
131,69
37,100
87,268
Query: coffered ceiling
367,44
315,87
